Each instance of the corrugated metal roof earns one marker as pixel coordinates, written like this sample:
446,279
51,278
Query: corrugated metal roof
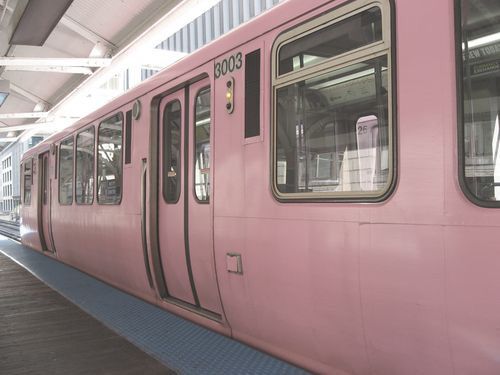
115,19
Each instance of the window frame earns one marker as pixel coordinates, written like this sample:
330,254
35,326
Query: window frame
204,88
72,136
75,153
460,95
120,114
381,48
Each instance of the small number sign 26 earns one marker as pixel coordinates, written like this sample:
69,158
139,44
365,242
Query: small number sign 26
228,65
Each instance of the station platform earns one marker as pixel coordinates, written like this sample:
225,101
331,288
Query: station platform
55,319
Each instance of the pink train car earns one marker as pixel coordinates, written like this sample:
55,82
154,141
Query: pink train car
320,183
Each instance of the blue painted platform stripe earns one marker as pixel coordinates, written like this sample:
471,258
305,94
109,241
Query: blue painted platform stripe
176,342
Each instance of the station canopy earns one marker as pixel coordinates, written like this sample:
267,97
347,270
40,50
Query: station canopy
61,59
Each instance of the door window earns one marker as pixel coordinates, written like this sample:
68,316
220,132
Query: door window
109,160
172,151
202,145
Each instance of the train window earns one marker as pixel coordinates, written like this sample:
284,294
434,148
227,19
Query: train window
252,94
202,145
109,160
333,131
27,181
339,37
478,56
66,171
172,151
84,169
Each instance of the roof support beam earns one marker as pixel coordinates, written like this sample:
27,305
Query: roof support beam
24,115
51,69
44,61
24,126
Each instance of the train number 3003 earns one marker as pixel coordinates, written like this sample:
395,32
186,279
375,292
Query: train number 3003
228,65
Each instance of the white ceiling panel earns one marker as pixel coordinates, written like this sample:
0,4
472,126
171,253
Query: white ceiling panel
43,85
114,20
68,42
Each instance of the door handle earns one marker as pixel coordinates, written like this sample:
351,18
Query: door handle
144,175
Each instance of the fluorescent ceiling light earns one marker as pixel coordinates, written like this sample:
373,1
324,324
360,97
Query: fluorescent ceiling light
350,77
488,39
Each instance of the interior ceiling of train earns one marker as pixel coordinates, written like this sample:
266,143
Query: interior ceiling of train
54,52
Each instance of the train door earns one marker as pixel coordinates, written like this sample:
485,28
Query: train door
185,212
44,202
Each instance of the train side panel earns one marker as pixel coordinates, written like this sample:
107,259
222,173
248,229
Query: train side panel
300,261
391,288
403,261
105,239
407,285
